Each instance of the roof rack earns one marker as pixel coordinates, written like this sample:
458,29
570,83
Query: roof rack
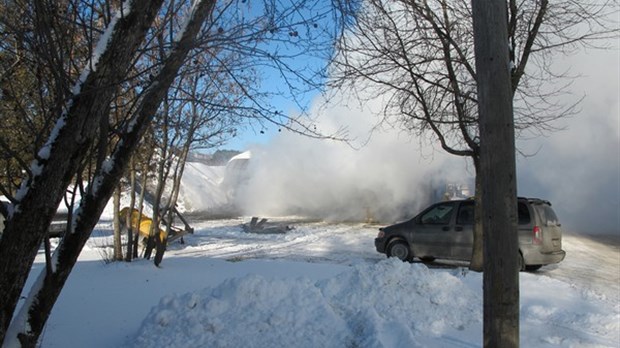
531,200
535,200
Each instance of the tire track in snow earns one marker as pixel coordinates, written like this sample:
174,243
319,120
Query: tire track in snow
311,241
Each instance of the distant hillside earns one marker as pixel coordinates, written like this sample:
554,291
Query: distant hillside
200,188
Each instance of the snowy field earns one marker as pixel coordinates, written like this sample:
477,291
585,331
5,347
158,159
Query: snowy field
320,285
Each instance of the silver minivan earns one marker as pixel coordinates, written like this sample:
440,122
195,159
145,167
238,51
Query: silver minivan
445,231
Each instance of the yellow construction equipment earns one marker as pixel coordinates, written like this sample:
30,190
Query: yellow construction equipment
140,223
143,223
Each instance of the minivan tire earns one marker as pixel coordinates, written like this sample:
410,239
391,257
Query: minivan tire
399,249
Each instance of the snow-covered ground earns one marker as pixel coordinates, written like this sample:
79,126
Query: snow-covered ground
321,284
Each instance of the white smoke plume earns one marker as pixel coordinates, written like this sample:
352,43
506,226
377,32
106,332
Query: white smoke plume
391,177
578,169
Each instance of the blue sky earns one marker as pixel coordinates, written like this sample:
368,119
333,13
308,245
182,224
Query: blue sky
252,133
302,37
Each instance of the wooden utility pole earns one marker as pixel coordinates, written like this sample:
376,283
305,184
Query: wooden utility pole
497,159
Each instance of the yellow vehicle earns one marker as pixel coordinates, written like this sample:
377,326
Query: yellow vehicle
143,223
139,223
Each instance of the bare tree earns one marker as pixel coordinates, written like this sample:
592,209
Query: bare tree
213,94
58,160
37,53
72,146
419,55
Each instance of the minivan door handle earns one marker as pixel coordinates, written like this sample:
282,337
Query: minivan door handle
445,228
458,228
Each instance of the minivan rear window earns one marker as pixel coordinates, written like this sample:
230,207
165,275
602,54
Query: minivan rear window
547,215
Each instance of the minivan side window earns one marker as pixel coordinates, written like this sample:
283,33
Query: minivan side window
438,215
524,213
466,214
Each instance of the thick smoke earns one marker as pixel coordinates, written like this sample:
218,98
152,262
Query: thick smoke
391,177
578,169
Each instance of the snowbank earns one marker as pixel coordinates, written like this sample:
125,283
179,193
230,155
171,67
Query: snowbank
363,307
387,304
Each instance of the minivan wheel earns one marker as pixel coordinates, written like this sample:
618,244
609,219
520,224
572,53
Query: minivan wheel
399,249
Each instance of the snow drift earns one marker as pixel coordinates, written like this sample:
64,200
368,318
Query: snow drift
387,304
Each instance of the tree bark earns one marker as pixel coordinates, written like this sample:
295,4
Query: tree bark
143,182
116,222
497,160
477,257
163,168
132,203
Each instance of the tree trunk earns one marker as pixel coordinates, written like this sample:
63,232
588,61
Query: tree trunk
178,173
60,160
132,203
143,182
154,239
497,159
477,257
116,223
29,323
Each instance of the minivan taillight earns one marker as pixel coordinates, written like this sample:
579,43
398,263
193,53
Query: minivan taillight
537,236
